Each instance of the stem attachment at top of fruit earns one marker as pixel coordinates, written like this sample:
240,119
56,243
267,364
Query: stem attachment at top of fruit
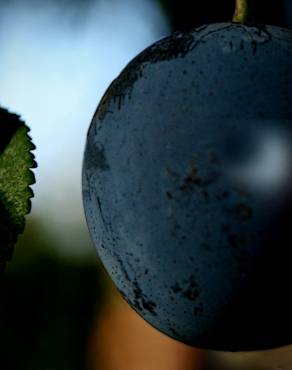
241,14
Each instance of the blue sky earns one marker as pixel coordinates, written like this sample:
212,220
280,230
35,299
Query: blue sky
54,67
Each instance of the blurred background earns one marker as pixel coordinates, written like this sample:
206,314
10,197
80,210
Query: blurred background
58,309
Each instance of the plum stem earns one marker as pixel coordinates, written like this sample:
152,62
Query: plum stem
241,14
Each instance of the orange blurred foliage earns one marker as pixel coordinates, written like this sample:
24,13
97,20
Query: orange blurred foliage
122,340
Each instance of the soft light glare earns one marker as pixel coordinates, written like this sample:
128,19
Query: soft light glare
269,167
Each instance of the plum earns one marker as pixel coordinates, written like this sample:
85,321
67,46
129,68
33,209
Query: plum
187,185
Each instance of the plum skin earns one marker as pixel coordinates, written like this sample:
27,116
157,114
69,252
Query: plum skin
190,222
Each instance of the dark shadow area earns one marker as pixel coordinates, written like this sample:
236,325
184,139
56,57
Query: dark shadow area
47,308
185,14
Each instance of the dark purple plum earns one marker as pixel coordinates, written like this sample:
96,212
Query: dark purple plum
187,185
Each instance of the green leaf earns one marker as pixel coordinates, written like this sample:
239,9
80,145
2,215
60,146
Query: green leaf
16,160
